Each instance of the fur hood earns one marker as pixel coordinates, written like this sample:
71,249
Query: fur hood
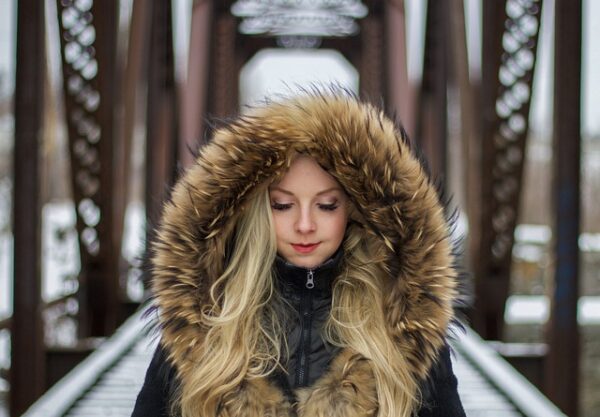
397,205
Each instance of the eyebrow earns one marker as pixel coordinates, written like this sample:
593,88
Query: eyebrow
319,193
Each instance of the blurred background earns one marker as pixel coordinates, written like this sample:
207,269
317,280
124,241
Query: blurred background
103,103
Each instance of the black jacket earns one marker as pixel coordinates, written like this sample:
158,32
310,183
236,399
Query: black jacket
309,354
397,216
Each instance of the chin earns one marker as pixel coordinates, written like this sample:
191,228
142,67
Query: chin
310,263
304,262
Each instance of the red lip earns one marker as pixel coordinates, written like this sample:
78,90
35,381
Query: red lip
302,248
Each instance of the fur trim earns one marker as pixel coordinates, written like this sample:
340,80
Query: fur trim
256,398
397,204
347,390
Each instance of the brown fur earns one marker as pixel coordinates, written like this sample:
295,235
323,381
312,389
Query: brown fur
396,202
255,398
347,390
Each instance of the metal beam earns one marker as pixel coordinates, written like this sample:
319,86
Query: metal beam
161,130
510,34
27,372
563,360
132,94
224,65
432,129
400,93
194,94
89,52
103,284
469,117
487,288
370,67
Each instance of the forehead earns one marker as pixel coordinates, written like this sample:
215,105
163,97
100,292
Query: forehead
306,173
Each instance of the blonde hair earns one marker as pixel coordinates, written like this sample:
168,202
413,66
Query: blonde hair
246,331
357,321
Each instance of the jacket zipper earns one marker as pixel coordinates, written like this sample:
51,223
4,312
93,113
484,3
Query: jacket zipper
310,280
305,336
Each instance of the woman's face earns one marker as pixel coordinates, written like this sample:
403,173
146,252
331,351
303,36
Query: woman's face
310,211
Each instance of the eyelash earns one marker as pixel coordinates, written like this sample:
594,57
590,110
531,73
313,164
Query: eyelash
328,207
283,207
280,207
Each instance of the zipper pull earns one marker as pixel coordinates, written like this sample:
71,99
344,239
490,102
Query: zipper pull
310,282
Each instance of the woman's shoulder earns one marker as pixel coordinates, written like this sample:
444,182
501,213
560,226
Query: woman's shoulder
439,391
154,398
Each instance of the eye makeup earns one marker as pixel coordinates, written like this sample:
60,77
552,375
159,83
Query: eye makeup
286,206
329,206
280,206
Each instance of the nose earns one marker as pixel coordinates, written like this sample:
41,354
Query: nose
305,222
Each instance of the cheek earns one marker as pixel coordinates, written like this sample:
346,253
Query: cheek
280,225
338,226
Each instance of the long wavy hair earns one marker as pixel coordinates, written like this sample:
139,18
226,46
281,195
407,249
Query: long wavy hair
357,322
246,327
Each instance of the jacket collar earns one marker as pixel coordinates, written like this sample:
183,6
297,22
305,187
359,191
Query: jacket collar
295,277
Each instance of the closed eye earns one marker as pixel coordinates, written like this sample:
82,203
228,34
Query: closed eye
328,207
280,206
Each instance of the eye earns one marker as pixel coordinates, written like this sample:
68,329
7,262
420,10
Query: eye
280,206
328,207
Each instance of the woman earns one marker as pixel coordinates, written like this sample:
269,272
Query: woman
303,267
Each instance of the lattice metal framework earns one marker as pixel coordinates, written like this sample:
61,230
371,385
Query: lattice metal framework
505,127
512,108
89,64
323,18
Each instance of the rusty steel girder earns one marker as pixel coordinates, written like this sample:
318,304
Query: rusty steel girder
398,91
562,365
432,129
510,38
371,64
194,94
161,111
88,36
27,371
